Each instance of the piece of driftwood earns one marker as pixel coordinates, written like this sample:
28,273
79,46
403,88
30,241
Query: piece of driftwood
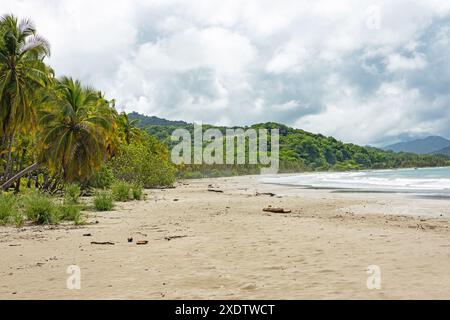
142,243
174,237
215,190
107,243
276,210
270,194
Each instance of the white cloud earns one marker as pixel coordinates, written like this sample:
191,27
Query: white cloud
288,106
291,58
392,110
312,64
397,62
215,48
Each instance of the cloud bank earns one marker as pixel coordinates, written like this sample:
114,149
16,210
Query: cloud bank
369,72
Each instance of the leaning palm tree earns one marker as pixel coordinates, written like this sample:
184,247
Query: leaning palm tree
77,122
22,73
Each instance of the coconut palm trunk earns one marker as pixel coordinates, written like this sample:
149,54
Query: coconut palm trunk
9,166
22,158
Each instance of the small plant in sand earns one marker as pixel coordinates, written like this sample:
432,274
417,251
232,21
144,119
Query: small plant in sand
40,209
9,213
103,201
17,218
138,192
121,191
72,194
70,212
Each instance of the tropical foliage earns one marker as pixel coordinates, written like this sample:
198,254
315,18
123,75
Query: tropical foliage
60,137
302,151
55,132
146,163
23,76
77,122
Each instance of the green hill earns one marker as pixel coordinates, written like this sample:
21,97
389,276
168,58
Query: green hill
428,145
304,151
145,121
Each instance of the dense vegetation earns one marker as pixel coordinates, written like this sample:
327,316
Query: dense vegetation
145,121
304,151
57,132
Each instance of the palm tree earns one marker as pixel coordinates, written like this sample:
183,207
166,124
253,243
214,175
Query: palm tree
22,73
77,122
129,128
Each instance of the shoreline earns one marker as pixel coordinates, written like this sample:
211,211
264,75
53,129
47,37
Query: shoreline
434,184
223,246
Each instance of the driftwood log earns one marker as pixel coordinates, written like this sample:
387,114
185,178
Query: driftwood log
276,210
103,243
215,190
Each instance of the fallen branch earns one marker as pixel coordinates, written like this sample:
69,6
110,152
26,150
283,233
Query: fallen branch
213,190
103,243
270,194
276,210
174,237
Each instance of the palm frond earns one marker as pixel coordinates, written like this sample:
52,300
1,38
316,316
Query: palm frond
27,27
37,45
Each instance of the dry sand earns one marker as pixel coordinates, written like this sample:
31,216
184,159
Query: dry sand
228,248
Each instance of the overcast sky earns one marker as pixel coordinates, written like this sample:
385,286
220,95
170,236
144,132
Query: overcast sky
369,72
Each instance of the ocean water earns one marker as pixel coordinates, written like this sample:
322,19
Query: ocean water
433,181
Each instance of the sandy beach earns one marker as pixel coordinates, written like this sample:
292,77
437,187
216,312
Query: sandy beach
221,245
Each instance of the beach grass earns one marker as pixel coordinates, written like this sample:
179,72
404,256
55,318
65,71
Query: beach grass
72,194
137,191
121,191
70,212
8,208
40,209
103,201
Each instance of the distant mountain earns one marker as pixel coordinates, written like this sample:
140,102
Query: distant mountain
445,151
302,151
145,121
421,146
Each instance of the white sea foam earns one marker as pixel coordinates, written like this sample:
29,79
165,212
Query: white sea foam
408,180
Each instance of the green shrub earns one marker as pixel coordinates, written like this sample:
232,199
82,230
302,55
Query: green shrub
8,208
70,212
138,192
72,194
17,218
102,179
103,201
121,191
146,163
40,209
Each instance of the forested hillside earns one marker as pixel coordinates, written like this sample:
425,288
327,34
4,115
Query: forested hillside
304,151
